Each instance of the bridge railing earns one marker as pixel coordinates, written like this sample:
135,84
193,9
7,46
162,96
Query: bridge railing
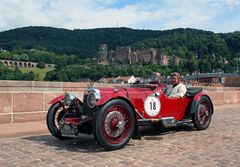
22,101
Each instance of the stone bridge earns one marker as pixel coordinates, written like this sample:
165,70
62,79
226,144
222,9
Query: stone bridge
22,64
22,101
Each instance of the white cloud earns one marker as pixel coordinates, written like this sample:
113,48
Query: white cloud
73,14
106,2
197,14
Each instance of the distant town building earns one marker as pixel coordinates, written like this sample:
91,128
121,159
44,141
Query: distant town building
225,61
126,80
218,70
2,50
118,80
214,79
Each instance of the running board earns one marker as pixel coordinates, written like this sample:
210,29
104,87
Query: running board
166,121
169,122
172,122
147,122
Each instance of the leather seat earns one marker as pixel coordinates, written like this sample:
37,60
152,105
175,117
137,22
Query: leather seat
192,91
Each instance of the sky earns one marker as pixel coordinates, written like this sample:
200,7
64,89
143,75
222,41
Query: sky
212,15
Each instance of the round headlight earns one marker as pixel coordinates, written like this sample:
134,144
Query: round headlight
68,99
91,100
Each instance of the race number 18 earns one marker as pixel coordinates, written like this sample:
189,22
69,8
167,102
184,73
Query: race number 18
152,105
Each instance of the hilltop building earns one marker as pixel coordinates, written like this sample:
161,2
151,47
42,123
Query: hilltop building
103,54
124,55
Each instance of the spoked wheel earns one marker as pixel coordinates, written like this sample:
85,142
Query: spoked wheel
202,117
54,116
115,124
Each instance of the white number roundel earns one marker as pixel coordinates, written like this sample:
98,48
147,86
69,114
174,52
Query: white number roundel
152,106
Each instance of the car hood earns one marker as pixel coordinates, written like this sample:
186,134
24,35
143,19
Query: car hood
123,90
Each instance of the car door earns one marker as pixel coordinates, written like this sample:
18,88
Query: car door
171,107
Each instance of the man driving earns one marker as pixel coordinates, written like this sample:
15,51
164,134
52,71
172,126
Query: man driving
177,89
155,78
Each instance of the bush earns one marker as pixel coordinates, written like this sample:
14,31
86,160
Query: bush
41,65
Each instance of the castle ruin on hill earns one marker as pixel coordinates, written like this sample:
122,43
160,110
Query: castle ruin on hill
124,55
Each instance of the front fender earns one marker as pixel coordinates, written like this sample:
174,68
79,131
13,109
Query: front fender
196,100
57,99
108,97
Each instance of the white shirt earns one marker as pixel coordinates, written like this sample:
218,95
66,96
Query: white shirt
177,91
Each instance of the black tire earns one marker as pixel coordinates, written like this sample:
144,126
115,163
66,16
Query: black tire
94,131
54,115
203,114
114,124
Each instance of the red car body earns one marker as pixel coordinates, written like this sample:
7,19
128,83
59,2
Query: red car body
113,115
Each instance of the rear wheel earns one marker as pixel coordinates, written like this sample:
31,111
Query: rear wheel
203,115
54,115
115,124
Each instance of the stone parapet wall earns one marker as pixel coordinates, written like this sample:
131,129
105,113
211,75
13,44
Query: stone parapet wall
223,95
22,101
232,82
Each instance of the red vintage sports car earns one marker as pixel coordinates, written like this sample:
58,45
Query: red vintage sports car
114,115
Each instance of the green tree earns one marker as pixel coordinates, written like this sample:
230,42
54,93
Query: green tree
29,76
205,66
16,57
41,65
24,57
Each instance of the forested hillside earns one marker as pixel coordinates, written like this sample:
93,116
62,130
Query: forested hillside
68,49
85,43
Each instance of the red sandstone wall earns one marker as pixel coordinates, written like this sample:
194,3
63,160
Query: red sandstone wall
232,82
22,101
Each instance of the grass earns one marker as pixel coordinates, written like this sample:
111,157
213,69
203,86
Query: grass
37,71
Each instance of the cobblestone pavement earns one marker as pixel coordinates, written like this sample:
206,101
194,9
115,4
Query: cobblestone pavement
217,146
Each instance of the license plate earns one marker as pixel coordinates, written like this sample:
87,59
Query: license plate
68,130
